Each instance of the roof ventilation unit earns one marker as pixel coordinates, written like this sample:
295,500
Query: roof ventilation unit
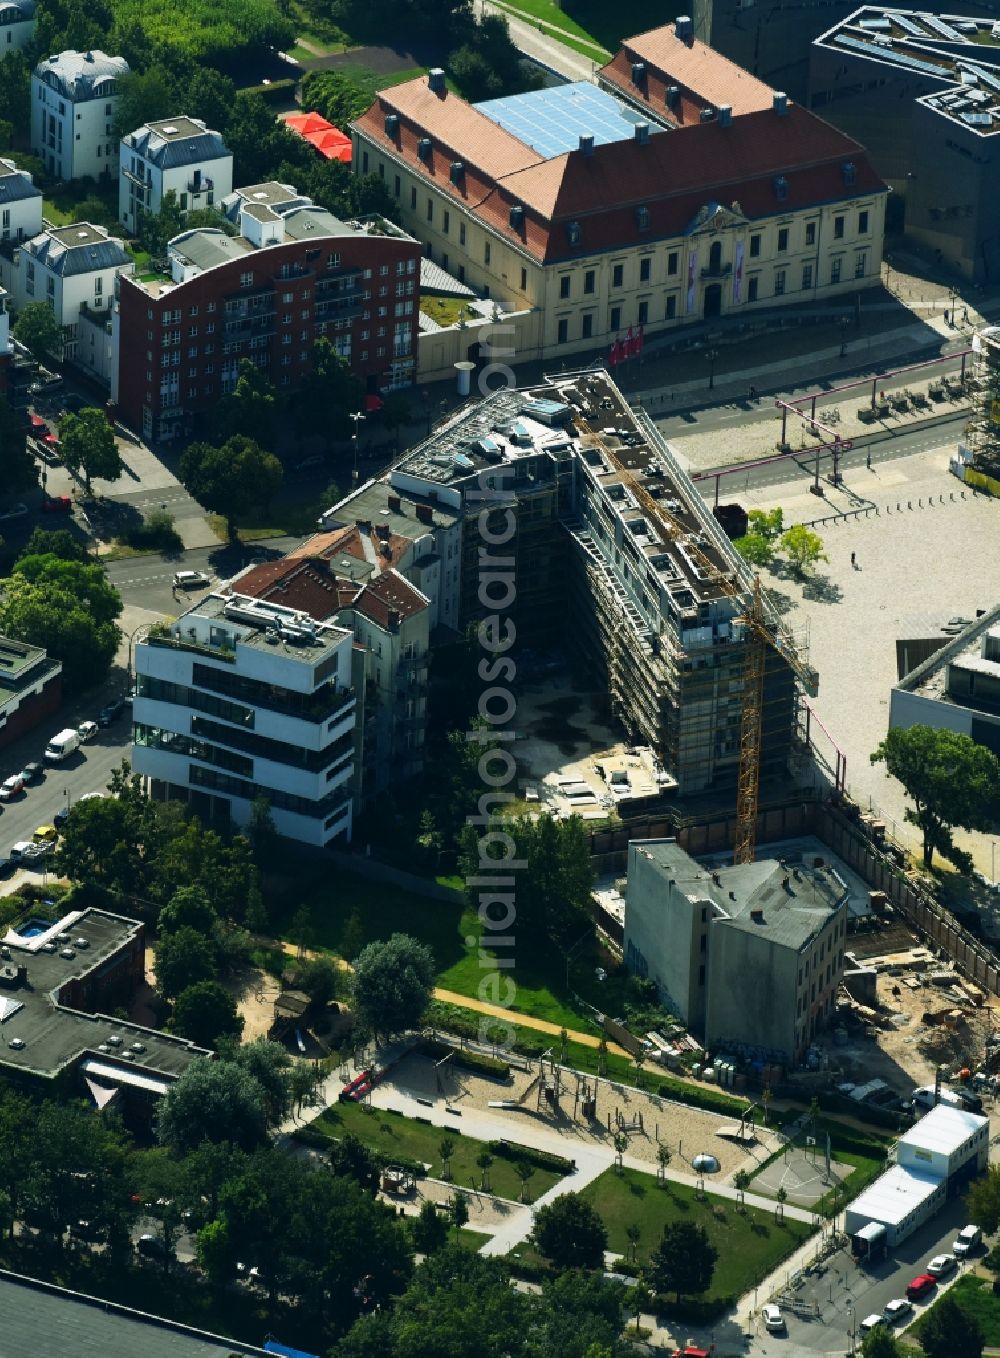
424,148
707,115
436,81
641,134
780,103
725,115
684,27
587,143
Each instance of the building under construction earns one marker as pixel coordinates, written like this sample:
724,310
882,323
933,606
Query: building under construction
616,556
983,430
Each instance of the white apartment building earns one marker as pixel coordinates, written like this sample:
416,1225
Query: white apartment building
179,155
73,268
5,349
17,24
20,204
73,101
242,698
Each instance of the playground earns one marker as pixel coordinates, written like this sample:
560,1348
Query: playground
804,1174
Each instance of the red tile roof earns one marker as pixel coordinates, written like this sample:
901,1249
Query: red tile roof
380,549
295,582
704,77
389,594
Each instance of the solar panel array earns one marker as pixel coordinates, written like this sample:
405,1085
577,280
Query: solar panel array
887,54
552,121
939,26
909,26
984,77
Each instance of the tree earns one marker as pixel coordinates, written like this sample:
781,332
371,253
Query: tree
339,97
947,1330
154,229
430,1229
880,1343
269,1064
352,937
144,97
58,542
755,548
231,480
781,1197
684,1260
188,908
634,1234
569,1232
62,624
216,1251
741,1182
262,834
983,1200
248,410
950,779
524,1170
17,467
484,1161
446,1149
182,959
621,1146
205,1013
328,394
38,330
88,444
352,1159
212,1100
459,1209
319,978
663,1158
85,580
395,413
393,981
767,523
802,546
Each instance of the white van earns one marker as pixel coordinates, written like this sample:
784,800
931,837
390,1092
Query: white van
65,743
968,1239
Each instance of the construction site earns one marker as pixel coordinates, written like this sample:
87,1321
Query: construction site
983,429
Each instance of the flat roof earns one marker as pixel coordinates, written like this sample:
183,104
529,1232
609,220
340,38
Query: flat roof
930,678
251,629
944,1129
894,1195
552,121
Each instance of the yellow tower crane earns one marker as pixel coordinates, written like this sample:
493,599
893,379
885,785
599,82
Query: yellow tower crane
763,631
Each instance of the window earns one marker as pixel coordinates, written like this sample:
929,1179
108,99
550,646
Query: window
98,286
616,318
487,253
860,263
413,199
862,223
246,280
643,315
562,331
779,282
835,270
807,276
430,209
211,307
617,275
564,286
587,328
645,268
810,233
396,186
446,222
670,309
755,246
588,280
287,297
838,228
782,239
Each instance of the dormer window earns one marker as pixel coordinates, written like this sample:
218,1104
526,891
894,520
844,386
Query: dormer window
457,172
642,218
517,217
573,233
850,172
781,188
638,72
424,149
392,124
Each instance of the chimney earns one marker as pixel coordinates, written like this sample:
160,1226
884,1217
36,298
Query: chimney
757,916
364,524
732,895
436,81
642,134
587,144
725,115
716,879
638,72
780,103
382,530
395,504
22,976
393,617
425,514
684,28
786,882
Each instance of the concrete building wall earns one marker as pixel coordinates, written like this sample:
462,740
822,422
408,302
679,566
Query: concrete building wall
15,37
663,933
751,982
913,709
143,186
73,139
953,200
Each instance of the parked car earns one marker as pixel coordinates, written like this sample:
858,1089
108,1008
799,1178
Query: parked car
920,1286
23,849
774,1321
33,772
152,1247
870,1323
57,504
17,511
941,1265
6,866
61,817
968,1239
11,787
87,730
45,834
110,712
897,1310
45,383
190,579
90,797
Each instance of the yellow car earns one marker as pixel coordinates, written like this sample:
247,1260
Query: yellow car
45,834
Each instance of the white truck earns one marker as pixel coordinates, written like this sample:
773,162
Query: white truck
62,745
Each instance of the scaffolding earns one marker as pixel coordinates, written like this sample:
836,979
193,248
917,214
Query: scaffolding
983,430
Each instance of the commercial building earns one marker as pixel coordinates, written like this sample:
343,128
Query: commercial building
17,24
939,1154
295,273
604,210
30,681
59,982
240,699
749,957
73,100
74,269
922,91
647,605
174,155
957,688
20,205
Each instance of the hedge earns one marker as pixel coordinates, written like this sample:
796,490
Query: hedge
468,1060
276,92
714,1101
512,1150
317,1139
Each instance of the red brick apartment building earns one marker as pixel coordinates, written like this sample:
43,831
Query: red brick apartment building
294,273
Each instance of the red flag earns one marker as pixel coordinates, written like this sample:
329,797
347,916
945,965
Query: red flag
639,340
614,357
629,343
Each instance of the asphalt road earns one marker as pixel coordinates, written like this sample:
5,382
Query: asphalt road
85,771
145,581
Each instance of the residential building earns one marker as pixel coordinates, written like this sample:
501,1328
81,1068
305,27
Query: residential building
20,205
17,24
242,698
294,274
174,155
74,269
61,979
6,349
30,681
599,219
73,100
941,1152
648,607
923,92
749,957
957,688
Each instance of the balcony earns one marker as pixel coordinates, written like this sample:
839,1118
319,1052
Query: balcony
338,309
199,183
138,179
248,327
717,271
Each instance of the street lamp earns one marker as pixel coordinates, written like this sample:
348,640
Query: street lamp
844,322
357,416
711,356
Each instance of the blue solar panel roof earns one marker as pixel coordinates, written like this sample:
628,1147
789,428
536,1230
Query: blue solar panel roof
553,121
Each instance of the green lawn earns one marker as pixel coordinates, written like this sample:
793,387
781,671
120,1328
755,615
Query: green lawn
444,310
975,1296
551,13
751,1244
393,1134
610,24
